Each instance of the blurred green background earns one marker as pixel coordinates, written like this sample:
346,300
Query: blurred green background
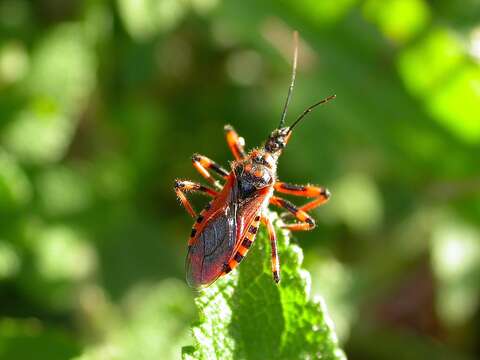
102,104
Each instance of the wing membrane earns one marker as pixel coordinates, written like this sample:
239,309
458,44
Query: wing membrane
220,236
211,249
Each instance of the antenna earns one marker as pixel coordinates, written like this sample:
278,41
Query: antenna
292,82
309,109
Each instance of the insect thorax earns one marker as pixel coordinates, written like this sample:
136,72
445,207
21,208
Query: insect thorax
254,174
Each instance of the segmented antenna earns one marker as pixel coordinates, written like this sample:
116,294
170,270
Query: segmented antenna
292,82
309,109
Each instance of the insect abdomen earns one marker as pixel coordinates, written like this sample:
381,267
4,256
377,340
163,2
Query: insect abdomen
245,244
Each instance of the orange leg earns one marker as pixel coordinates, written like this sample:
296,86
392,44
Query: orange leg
306,221
235,142
273,242
203,164
320,194
181,187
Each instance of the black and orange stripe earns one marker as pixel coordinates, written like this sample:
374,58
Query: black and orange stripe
306,221
246,243
198,223
202,164
209,164
321,194
309,191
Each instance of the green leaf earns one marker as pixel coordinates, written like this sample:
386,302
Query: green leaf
247,316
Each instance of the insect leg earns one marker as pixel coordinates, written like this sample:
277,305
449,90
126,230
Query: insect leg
203,164
320,194
273,242
181,187
306,221
235,142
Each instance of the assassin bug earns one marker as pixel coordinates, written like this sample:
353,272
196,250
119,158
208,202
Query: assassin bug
226,228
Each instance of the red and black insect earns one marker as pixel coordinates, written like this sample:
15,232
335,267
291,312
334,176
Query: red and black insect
226,228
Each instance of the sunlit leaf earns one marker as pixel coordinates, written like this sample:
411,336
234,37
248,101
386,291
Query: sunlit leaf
427,64
438,71
455,104
246,315
399,20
